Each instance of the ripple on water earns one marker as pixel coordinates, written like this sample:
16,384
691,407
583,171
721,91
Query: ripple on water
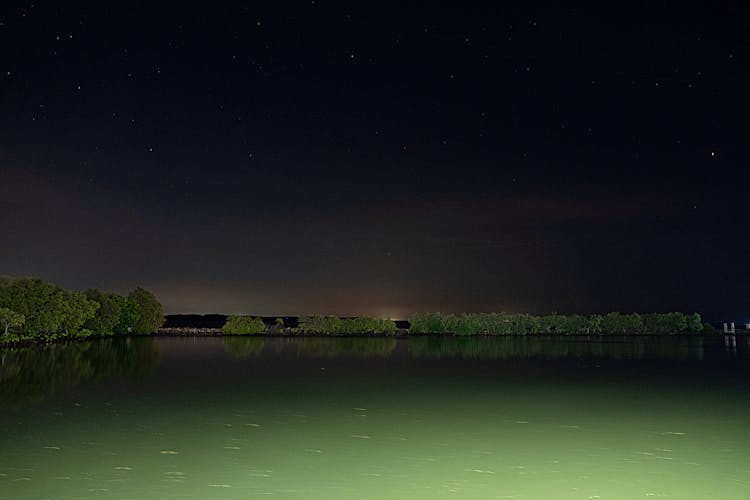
174,476
480,471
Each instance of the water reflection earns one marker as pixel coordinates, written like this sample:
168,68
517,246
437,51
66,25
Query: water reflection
311,347
418,418
243,347
730,344
488,348
559,347
30,373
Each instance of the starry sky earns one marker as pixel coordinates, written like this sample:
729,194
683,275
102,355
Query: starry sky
312,157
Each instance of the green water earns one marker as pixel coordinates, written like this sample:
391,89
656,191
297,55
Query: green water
528,418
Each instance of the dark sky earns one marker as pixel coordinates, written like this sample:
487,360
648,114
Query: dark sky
292,158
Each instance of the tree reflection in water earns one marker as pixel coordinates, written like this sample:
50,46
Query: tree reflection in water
311,347
557,347
30,373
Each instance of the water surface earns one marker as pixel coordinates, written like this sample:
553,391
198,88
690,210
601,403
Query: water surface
342,418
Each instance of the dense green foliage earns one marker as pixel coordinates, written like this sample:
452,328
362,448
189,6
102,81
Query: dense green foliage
332,325
524,324
243,325
144,311
107,316
10,319
34,309
321,325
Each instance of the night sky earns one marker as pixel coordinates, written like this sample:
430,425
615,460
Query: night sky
311,157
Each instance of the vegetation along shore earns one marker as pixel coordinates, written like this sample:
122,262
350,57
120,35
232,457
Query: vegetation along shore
614,323
34,310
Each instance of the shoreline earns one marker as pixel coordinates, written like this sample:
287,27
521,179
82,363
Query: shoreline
216,332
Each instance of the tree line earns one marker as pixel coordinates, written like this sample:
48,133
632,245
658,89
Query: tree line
526,324
320,325
481,324
34,309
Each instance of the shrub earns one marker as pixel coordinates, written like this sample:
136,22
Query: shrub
695,323
427,323
243,325
553,323
576,324
617,323
10,319
107,315
524,324
332,325
673,322
147,314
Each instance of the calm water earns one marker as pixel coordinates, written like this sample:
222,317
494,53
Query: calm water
528,418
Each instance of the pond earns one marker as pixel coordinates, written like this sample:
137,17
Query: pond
343,418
